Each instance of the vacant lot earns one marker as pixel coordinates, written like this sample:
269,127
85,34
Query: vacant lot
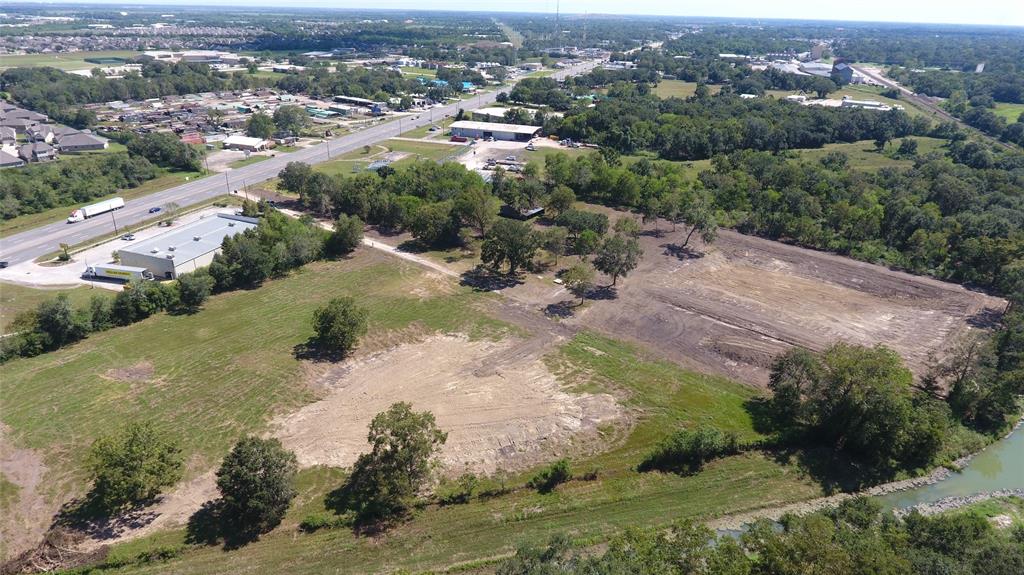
680,89
864,155
745,299
62,61
1009,111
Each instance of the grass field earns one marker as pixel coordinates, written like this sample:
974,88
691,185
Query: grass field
424,131
679,89
358,159
15,299
414,72
28,221
218,374
63,61
247,161
665,397
862,155
1009,111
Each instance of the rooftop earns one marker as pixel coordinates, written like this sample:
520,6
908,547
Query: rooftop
495,127
194,239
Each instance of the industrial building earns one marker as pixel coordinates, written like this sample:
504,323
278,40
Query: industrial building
510,132
184,249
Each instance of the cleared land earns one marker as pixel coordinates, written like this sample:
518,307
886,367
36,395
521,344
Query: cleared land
63,61
863,154
732,309
680,89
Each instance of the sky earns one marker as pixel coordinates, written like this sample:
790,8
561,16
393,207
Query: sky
1000,12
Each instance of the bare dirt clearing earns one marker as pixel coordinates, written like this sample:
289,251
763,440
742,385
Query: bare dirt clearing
733,308
499,404
24,521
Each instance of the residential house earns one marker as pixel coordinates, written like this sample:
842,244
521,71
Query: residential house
37,152
80,142
8,136
10,161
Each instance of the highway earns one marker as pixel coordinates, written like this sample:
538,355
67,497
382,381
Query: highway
31,244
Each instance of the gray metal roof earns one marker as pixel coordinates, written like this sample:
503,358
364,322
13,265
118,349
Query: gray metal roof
210,232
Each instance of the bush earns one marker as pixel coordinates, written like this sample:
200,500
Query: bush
548,478
339,324
256,482
324,520
688,451
459,491
131,467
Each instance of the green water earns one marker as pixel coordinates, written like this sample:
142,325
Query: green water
1001,466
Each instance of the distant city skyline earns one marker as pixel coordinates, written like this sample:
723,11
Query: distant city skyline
984,12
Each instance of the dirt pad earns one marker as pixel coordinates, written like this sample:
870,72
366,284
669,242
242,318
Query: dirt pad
24,521
500,407
730,308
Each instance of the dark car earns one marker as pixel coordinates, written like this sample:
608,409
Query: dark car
3,265
154,210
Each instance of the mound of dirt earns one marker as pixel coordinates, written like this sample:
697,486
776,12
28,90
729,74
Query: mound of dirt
501,408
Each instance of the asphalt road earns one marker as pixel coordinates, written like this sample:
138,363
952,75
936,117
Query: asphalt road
33,243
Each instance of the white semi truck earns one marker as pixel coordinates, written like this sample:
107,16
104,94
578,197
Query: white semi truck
96,209
117,272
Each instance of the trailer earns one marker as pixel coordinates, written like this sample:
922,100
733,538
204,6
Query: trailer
86,212
117,272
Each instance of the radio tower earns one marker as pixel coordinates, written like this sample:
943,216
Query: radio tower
558,26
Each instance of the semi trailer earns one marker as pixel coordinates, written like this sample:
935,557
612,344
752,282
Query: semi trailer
117,272
86,212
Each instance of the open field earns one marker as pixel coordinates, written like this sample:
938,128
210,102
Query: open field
663,397
15,299
397,151
742,301
424,131
1009,111
247,161
63,61
414,72
27,221
861,92
862,155
680,89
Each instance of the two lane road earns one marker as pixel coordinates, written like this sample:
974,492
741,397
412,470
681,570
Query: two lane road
31,244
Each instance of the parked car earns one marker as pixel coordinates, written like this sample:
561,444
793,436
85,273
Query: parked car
510,158
3,265
154,210
530,147
128,237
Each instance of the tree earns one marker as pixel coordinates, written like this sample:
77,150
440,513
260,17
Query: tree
347,235
579,280
194,288
553,241
650,210
165,149
295,176
259,125
618,256
627,226
700,216
385,480
339,324
433,223
60,323
509,241
550,477
131,467
476,207
291,119
559,201
257,484
586,243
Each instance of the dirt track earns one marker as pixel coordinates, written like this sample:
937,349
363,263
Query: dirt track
733,308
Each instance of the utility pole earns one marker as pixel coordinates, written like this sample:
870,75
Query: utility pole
113,219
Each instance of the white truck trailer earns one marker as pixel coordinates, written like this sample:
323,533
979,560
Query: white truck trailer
117,272
86,212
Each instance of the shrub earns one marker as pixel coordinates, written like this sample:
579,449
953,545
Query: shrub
688,451
323,520
550,477
131,467
339,324
459,491
256,482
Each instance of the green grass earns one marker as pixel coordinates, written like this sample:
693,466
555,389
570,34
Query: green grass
358,159
15,299
426,150
28,221
679,89
664,397
247,161
424,131
218,374
63,61
8,493
1009,111
414,72
862,155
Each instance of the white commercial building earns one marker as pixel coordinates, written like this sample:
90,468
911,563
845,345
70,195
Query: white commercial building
511,132
184,249
244,143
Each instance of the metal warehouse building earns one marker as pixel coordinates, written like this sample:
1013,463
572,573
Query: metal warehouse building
185,249
511,132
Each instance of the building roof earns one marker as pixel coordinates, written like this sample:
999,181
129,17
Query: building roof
10,159
238,140
210,232
28,151
7,133
491,111
75,139
494,127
